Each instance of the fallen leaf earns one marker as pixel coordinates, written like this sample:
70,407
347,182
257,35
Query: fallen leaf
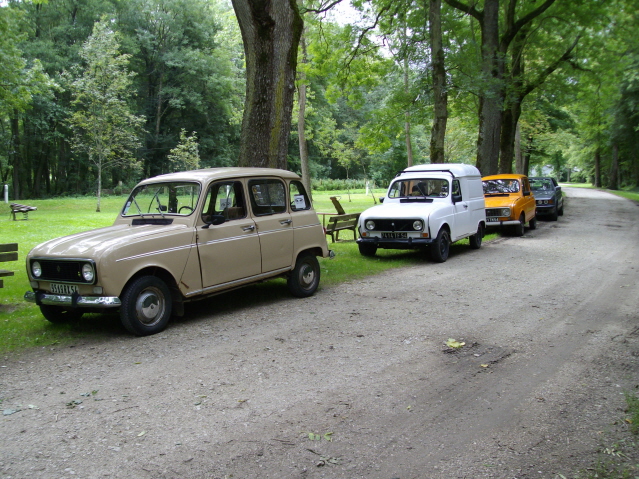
484,365
452,343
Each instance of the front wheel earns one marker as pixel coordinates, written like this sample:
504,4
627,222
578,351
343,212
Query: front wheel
441,247
476,239
305,277
518,230
146,306
532,224
57,314
367,249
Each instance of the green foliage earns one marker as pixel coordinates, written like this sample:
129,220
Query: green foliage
185,155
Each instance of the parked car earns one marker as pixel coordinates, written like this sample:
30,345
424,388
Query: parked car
509,202
548,195
181,237
427,206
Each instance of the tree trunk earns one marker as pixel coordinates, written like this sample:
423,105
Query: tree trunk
438,131
409,143
614,168
519,161
597,168
271,31
14,154
301,124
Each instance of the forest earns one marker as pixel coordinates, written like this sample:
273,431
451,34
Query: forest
96,95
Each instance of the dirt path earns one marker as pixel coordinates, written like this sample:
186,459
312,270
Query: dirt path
354,382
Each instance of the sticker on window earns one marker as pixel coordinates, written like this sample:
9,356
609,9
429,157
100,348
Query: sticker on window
300,202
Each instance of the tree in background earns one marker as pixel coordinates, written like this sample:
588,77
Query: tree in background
104,128
185,156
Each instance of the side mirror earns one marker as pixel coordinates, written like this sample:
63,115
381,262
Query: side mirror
381,199
457,198
558,188
214,220
526,193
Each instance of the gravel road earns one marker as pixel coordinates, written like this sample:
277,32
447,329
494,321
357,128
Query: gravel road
356,382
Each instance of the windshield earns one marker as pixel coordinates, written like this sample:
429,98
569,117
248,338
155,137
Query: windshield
501,186
178,198
419,187
541,184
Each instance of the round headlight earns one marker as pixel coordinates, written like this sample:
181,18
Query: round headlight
36,269
370,225
505,212
87,272
417,225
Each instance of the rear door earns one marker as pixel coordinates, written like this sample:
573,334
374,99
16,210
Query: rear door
269,202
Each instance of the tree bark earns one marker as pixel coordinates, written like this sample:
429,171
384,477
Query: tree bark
438,131
271,31
301,125
14,154
597,168
613,184
407,122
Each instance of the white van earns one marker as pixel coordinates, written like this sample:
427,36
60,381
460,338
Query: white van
427,205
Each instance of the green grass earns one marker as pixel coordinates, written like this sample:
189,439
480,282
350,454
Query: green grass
22,325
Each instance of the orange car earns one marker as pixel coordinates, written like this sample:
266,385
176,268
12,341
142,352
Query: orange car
509,202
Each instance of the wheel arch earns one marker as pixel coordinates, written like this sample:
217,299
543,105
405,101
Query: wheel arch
161,273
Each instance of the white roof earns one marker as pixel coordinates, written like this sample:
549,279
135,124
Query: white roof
457,169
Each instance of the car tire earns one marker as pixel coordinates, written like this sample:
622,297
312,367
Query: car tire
561,210
367,249
554,215
146,306
305,276
518,230
440,248
476,239
532,224
57,314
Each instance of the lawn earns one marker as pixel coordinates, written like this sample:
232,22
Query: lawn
22,325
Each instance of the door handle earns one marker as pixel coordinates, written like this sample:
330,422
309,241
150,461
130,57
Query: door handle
286,222
248,228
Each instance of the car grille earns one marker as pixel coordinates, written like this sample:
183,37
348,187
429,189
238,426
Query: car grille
493,211
68,271
394,225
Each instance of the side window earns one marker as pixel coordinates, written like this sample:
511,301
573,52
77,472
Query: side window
298,198
225,198
526,186
268,197
456,188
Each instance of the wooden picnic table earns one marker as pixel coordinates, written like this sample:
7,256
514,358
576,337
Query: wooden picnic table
8,252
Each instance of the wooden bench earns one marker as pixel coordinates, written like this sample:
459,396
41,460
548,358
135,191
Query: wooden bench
8,252
24,209
342,222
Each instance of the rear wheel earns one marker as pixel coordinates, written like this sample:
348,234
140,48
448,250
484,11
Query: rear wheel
305,277
476,239
367,249
441,247
57,314
146,306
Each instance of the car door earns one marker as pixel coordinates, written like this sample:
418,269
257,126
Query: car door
529,200
229,251
273,221
462,223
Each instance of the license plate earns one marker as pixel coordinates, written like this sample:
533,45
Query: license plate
64,288
394,235
492,220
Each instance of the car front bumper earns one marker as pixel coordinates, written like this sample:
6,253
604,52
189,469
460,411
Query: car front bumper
545,210
72,301
396,243
502,223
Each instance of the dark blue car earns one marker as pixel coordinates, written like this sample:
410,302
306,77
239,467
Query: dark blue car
548,196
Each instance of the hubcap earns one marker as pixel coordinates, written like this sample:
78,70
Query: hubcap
307,275
150,306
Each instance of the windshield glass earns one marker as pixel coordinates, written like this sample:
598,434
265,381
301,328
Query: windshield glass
420,187
541,184
501,186
178,198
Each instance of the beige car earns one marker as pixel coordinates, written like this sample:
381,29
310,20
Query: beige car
181,237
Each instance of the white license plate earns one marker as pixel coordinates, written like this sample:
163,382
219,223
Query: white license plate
492,220
394,235
64,288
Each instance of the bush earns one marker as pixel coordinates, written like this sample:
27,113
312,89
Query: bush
339,185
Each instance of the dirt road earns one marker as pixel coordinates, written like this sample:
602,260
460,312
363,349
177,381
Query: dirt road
354,382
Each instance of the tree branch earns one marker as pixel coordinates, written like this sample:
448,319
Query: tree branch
469,9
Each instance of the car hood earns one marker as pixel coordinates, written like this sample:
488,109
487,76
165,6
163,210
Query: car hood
401,210
544,194
95,242
497,201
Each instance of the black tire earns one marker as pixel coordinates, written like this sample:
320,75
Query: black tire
532,224
561,210
58,314
146,306
441,247
519,229
554,215
475,240
305,277
367,249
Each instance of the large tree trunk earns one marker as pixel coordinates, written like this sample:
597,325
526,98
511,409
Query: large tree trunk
14,154
613,184
597,168
407,135
301,125
519,160
438,131
271,31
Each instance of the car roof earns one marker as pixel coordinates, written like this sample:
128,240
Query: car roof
457,169
207,174
508,176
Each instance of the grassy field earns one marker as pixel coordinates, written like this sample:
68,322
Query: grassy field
22,325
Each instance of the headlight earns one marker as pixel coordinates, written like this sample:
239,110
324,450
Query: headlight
417,225
87,272
370,225
505,212
36,269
